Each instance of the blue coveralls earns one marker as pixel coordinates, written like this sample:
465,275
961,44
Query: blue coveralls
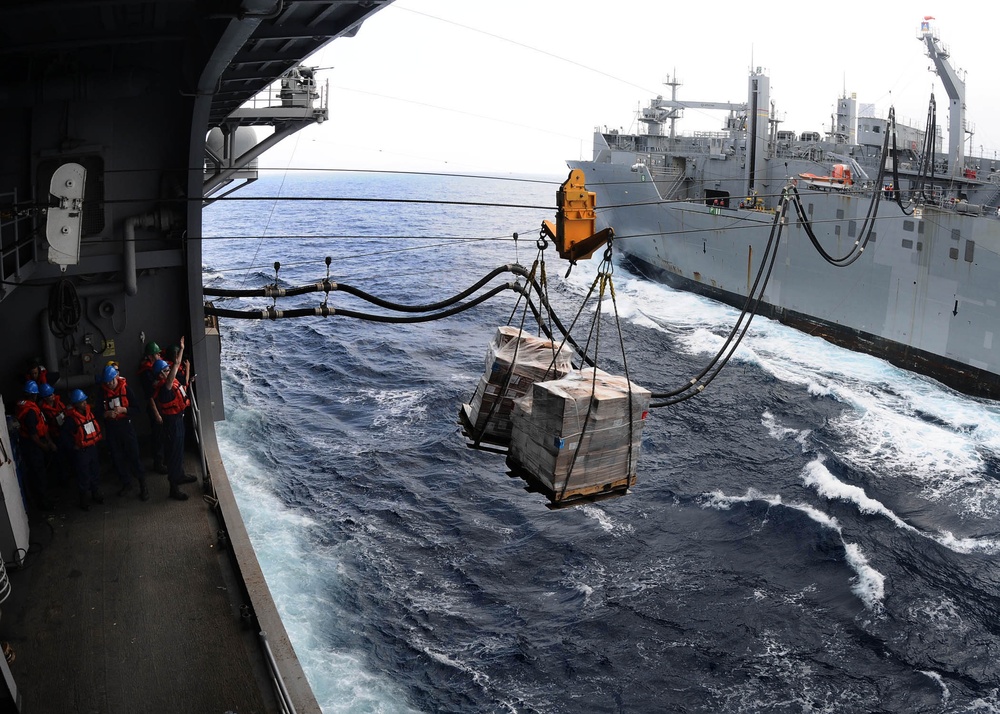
124,443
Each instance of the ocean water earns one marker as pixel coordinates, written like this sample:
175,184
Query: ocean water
817,532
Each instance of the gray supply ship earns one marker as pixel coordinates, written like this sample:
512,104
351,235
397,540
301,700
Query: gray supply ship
920,290
121,120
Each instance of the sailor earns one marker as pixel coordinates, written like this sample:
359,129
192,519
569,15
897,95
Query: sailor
119,406
54,412
184,370
34,443
36,372
146,382
86,434
171,401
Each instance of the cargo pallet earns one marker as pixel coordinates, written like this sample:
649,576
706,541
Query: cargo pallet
486,442
572,496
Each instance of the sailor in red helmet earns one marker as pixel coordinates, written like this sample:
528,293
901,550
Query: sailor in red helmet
86,434
34,442
119,405
171,401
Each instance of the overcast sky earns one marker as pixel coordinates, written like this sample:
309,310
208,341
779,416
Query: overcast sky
518,86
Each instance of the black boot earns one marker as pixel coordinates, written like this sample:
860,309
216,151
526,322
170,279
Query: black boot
143,491
177,494
84,506
126,487
97,497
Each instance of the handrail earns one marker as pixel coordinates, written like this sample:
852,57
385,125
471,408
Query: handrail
285,700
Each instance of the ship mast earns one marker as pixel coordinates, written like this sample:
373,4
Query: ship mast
954,85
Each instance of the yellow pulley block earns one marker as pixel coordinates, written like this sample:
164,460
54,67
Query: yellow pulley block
573,232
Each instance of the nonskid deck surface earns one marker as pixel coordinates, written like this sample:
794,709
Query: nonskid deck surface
130,607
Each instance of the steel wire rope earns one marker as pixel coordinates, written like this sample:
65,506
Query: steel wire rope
541,287
328,285
270,215
550,313
858,247
509,373
697,384
359,256
333,199
925,170
605,276
273,313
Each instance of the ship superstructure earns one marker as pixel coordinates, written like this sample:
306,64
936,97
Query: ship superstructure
696,211
120,120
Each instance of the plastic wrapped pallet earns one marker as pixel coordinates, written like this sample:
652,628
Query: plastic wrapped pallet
527,359
579,426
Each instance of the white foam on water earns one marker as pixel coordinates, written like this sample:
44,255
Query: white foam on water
297,575
817,476
939,680
868,583
898,424
606,522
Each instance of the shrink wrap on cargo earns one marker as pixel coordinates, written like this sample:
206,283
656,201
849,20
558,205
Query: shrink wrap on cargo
527,359
584,426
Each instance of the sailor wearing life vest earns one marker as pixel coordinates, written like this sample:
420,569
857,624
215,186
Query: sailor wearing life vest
54,412
147,380
86,433
119,404
37,373
34,443
171,401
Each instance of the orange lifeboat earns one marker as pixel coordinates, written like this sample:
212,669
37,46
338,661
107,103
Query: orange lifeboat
840,177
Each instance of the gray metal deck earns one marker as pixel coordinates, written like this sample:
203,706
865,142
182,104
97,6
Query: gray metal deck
132,607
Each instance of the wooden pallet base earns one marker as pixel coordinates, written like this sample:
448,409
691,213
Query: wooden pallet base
485,442
575,497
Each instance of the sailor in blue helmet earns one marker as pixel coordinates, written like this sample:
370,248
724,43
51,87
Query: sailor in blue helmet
171,402
86,434
34,442
119,406
54,412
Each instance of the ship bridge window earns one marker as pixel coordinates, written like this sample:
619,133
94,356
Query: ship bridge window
956,234
953,253
908,226
852,229
907,243
970,250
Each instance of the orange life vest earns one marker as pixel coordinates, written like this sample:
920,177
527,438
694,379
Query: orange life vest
21,411
146,365
116,397
86,430
178,404
55,413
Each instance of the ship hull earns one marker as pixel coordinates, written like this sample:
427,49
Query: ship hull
922,295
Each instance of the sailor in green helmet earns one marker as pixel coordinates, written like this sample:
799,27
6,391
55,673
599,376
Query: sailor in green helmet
146,381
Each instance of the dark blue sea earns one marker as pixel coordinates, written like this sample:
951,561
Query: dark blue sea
817,532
